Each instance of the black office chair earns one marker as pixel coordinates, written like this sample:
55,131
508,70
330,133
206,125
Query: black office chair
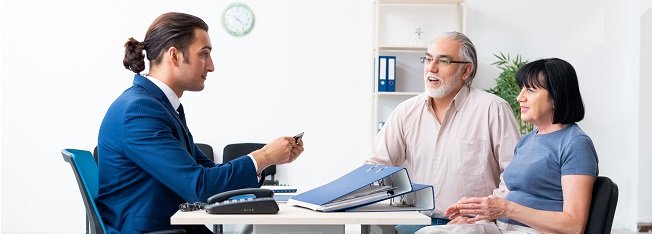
233,151
207,150
603,206
87,174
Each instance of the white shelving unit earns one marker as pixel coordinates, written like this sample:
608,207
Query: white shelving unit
395,27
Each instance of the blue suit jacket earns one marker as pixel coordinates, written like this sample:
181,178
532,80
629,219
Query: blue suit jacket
149,164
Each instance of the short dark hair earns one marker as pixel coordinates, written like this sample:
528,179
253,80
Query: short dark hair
171,29
559,78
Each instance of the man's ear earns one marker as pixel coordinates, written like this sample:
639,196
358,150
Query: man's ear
173,55
467,70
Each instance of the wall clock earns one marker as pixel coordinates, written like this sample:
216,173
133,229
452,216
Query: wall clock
238,19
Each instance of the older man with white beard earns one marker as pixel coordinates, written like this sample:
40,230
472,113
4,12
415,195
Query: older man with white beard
454,137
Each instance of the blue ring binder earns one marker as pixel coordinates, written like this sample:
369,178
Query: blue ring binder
358,191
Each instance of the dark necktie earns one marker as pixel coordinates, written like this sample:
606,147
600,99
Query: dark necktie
182,114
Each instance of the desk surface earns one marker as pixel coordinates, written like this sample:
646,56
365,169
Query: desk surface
297,215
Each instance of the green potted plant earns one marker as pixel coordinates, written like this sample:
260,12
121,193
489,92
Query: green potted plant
507,88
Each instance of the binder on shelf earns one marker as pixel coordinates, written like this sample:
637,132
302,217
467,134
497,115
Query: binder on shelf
362,189
391,73
382,74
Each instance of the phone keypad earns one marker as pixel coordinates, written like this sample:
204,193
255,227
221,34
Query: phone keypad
262,205
244,200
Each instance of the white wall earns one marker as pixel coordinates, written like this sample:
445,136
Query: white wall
1,122
645,135
307,66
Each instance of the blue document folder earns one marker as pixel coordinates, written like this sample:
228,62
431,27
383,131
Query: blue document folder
382,73
391,73
363,186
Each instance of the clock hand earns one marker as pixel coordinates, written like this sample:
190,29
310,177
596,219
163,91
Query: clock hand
238,19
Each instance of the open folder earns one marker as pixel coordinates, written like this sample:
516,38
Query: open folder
363,188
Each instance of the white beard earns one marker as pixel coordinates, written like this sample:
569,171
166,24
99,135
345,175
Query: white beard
445,88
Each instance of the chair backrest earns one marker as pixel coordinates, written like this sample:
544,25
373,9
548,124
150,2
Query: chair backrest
207,150
95,154
87,174
233,151
603,206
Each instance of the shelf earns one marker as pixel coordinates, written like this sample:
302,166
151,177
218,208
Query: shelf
418,2
403,29
405,48
397,93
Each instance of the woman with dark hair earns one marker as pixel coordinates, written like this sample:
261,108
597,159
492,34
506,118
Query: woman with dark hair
550,178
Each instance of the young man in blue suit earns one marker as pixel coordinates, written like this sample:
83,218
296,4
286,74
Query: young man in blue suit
149,163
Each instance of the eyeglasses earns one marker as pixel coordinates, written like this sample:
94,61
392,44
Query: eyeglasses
441,60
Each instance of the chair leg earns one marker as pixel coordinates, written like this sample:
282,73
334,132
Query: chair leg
88,229
218,229
247,229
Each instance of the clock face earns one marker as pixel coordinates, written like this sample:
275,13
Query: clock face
238,19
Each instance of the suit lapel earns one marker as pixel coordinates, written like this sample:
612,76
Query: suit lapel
157,93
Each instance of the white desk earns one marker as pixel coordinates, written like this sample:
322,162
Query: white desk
300,216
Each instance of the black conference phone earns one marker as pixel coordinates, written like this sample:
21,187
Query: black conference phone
263,203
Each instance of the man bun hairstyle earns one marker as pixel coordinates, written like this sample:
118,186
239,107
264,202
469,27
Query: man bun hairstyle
134,57
171,29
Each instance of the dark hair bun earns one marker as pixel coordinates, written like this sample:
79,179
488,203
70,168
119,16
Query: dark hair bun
134,57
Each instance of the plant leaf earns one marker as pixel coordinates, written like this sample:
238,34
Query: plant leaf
506,86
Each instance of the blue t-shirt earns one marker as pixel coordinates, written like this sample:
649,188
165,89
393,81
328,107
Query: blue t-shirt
540,160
